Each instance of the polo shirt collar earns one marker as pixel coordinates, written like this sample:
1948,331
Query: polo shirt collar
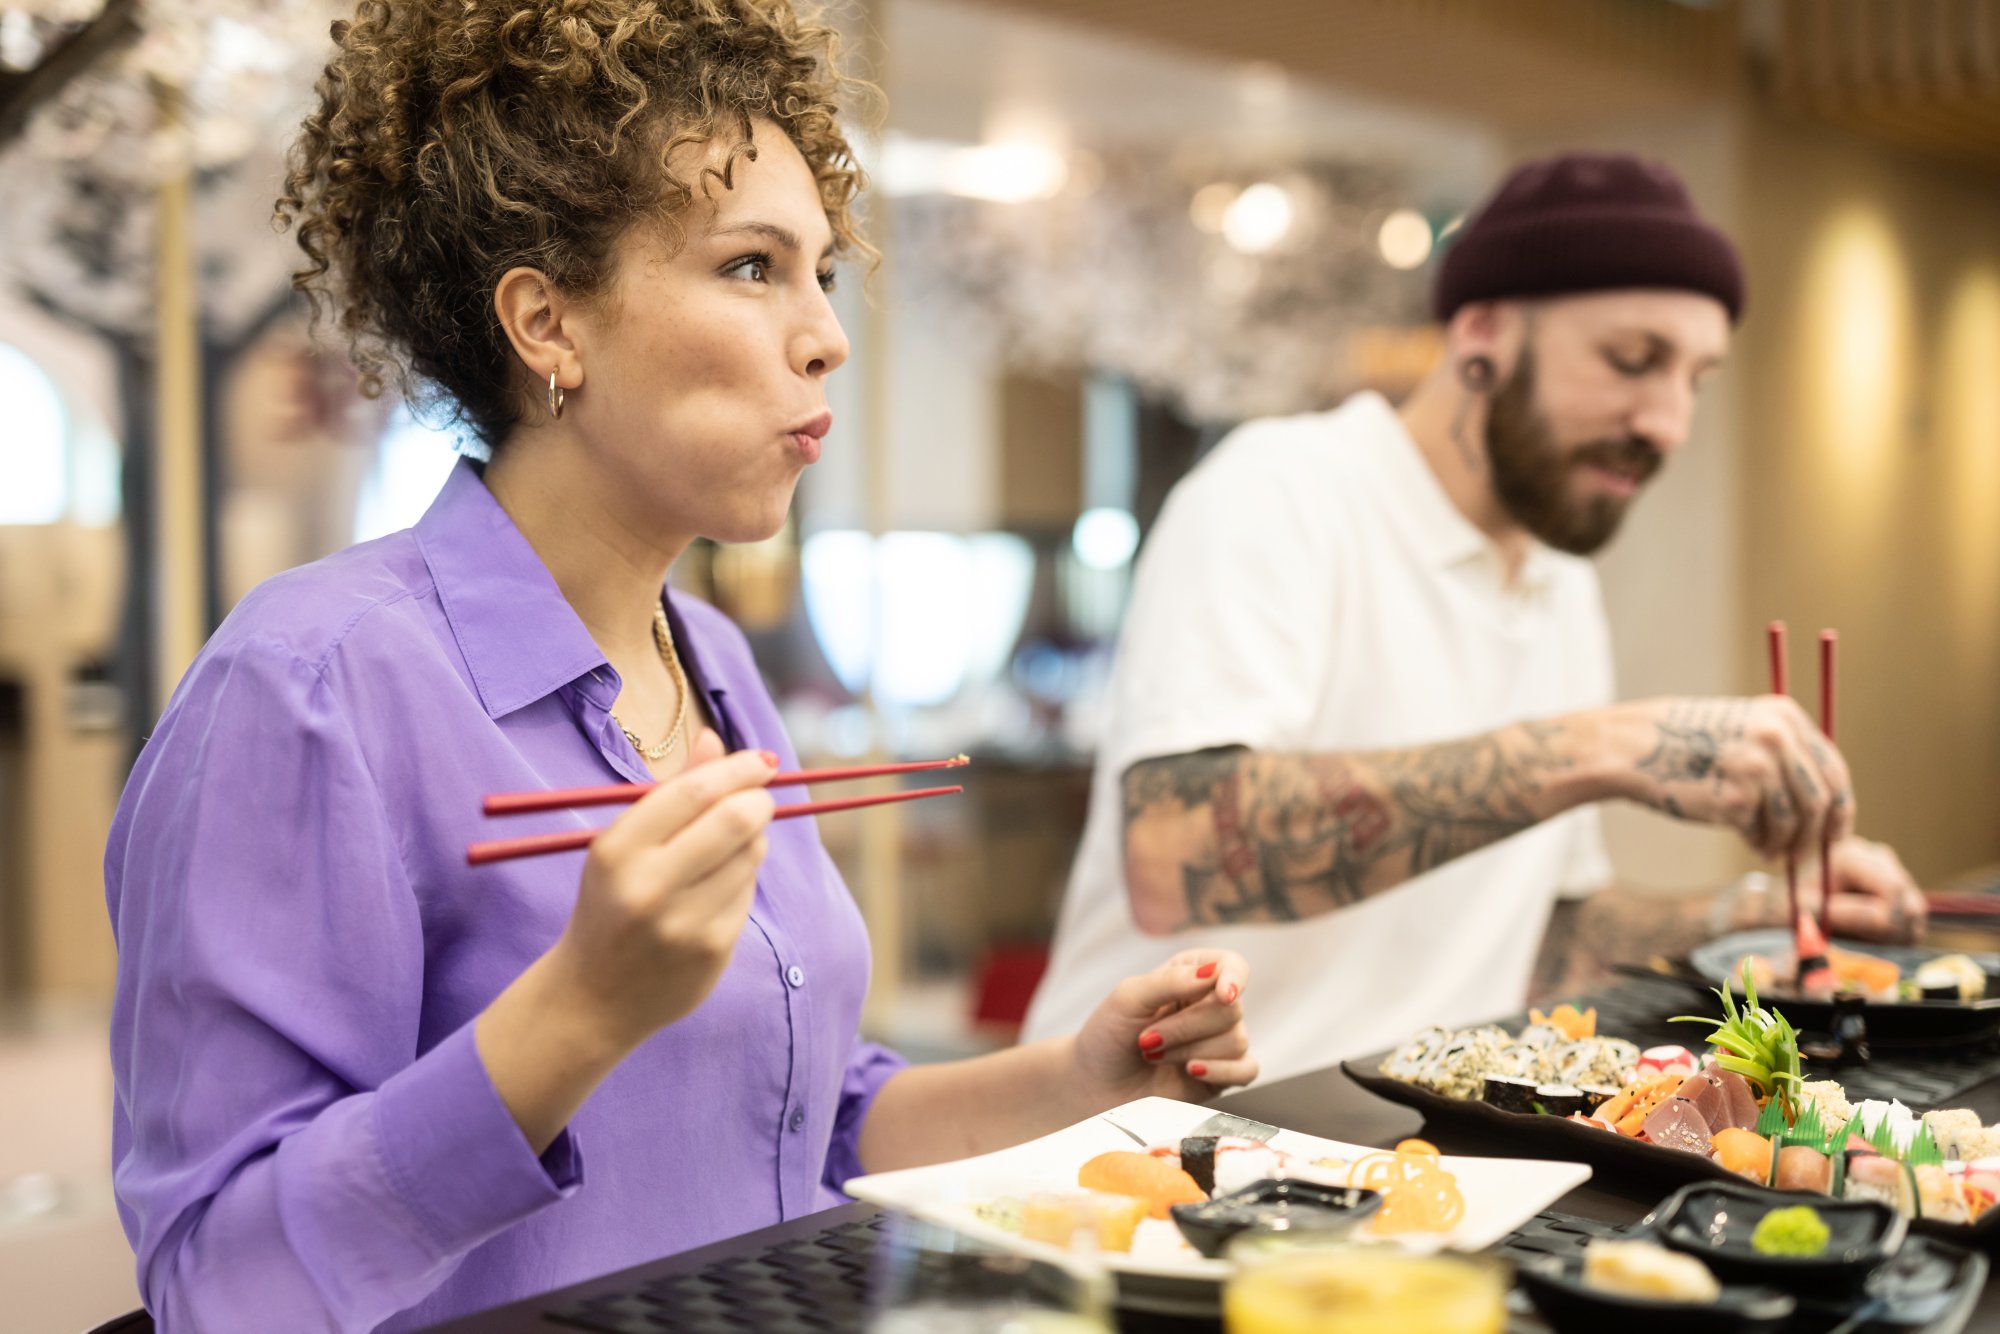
520,638
1436,529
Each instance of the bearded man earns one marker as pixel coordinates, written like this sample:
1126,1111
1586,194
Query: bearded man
1363,705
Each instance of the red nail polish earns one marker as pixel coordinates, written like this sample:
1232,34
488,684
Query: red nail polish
1151,1040
770,757
1151,1055
1197,1069
1205,972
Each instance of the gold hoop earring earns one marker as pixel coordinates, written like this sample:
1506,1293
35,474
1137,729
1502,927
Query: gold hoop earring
556,397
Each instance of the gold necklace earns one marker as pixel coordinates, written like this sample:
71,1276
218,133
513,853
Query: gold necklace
663,637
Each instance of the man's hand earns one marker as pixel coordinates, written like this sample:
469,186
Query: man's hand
1874,898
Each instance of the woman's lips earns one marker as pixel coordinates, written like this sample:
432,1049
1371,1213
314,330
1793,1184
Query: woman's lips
808,435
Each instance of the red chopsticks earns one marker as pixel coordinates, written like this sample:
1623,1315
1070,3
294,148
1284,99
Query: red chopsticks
1775,633
1829,643
534,845
1829,647
618,794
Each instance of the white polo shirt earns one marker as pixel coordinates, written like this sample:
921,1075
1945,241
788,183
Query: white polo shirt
1310,587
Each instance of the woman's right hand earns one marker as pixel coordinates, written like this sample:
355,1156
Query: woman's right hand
665,892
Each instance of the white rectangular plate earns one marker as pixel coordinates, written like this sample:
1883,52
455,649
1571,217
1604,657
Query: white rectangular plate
1500,1193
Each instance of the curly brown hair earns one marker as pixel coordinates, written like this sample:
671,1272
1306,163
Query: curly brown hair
454,140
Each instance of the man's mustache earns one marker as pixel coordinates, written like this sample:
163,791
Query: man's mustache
1633,456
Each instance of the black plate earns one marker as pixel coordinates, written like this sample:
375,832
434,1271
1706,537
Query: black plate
1892,1023
1714,1223
1627,1160
1284,1205
1555,1285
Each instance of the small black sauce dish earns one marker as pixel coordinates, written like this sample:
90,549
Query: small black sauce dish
1714,1222
1555,1285
1277,1205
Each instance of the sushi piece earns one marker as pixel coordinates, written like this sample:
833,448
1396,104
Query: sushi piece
1087,1221
1198,1160
1239,1162
1143,1177
1561,1099
1953,977
1870,1176
1799,1167
1939,1195
1593,1060
1957,1131
1744,1152
1510,1094
1598,1095
1647,1269
1678,1125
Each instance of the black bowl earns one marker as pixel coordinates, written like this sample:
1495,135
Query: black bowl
1277,1205
1555,1285
1714,1222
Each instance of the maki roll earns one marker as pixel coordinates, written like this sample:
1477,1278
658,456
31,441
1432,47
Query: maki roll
1222,1163
1198,1160
1510,1094
1562,1099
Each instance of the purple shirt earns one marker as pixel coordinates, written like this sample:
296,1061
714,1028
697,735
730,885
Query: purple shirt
305,1137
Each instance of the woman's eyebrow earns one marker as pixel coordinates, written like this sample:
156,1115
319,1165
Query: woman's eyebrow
782,237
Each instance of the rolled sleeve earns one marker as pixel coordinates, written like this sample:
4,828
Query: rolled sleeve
868,1070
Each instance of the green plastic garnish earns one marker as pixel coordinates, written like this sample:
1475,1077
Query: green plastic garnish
1924,1149
1795,1230
1758,1044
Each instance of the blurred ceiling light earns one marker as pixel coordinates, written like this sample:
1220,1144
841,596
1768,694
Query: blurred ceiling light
1405,239
1011,172
1258,219
1105,538
1210,204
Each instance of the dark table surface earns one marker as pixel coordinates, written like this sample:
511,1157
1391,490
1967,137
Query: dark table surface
1325,1103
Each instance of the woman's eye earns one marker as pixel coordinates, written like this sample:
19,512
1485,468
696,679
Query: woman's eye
827,278
757,268
1631,368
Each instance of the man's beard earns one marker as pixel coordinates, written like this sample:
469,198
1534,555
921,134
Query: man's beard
1531,473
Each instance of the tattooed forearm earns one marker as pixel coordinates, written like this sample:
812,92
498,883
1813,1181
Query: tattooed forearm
1235,835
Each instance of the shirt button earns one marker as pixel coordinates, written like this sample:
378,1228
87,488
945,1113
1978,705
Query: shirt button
795,975
798,1119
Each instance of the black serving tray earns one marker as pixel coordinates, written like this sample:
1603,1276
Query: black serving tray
1890,1023
1714,1223
1555,1285
1939,1285
1619,1157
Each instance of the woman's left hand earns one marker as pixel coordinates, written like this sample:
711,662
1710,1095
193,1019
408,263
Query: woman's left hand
1176,1032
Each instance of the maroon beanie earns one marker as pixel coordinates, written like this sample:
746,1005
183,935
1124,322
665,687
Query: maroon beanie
1588,222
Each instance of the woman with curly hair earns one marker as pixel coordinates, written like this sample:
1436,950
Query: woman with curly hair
358,1082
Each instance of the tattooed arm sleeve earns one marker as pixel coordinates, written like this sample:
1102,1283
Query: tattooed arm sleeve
1236,835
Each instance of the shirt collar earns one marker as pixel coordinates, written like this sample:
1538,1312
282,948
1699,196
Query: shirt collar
1436,528
520,638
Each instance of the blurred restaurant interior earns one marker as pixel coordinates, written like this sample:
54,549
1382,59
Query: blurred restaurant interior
1111,229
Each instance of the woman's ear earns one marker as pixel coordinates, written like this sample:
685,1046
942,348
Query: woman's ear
538,321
